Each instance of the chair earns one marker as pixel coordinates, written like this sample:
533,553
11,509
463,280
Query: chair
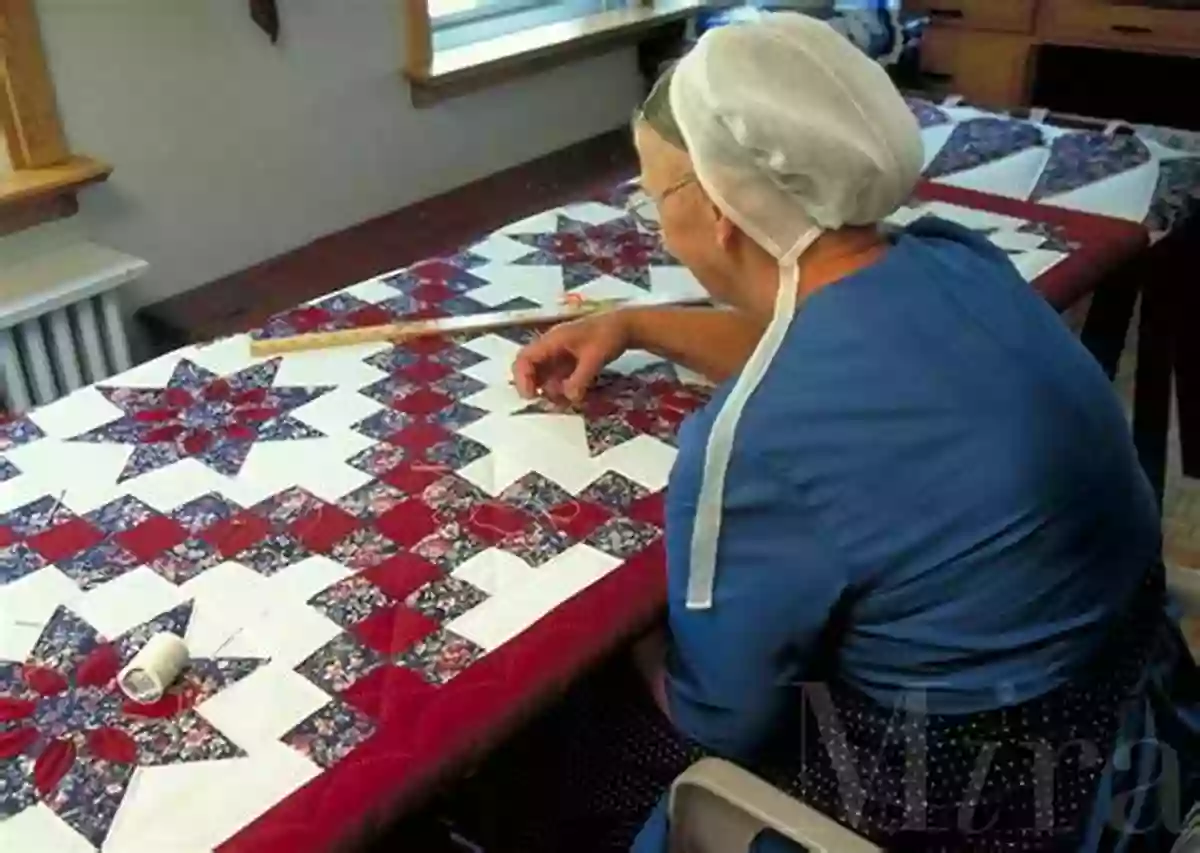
716,807
1189,835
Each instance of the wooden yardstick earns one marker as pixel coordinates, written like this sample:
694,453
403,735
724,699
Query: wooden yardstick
396,332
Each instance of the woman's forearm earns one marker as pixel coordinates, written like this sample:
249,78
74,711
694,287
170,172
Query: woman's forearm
714,342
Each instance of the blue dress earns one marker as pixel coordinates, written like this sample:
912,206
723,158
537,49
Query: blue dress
933,489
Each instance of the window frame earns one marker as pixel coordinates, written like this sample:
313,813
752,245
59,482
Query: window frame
28,109
45,176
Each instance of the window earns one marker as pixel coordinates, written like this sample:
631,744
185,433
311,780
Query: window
461,22
445,13
38,174
458,46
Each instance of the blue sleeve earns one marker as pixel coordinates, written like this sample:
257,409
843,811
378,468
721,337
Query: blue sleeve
732,668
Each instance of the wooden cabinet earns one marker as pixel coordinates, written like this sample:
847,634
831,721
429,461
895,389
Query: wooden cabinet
988,69
1123,27
986,50
1007,15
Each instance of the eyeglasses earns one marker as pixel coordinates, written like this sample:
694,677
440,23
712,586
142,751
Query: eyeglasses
640,204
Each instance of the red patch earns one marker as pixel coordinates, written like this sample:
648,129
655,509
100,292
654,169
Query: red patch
234,535
15,742
256,415
250,397
99,667
419,437
648,509
43,680
426,345
435,270
308,318
322,529
596,406
16,709
422,402
414,477
394,629
197,441
218,389
370,315
407,523
162,434
651,422
7,537
153,536
433,292
388,691
52,765
155,416
578,518
66,540
239,433
168,706
112,745
178,398
401,575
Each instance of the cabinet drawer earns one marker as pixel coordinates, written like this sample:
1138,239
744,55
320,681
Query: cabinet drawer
1007,15
1125,27
988,69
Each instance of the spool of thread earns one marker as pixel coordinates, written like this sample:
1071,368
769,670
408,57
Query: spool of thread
146,678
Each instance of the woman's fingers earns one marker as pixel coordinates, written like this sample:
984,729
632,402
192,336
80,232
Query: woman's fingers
563,362
588,362
543,363
530,362
525,376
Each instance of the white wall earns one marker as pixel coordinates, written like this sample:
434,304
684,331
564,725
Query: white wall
229,151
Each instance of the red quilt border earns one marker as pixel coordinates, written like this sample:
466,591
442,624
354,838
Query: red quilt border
1107,243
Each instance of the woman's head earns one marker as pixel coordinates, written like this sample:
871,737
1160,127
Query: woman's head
693,229
766,135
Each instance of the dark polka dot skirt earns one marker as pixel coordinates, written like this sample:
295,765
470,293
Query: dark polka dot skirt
1018,779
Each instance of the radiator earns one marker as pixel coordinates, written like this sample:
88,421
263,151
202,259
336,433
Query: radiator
52,355
61,325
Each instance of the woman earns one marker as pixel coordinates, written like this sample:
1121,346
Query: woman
912,491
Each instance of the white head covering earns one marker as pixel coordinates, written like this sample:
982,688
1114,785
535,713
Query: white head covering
792,131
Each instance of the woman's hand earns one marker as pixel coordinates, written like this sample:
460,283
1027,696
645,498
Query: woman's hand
562,363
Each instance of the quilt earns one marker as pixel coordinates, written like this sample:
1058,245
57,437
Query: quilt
380,557
1144,174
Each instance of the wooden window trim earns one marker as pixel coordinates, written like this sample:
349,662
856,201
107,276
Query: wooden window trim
45,175
437,75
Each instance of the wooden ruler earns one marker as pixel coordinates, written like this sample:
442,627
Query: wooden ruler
396,332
